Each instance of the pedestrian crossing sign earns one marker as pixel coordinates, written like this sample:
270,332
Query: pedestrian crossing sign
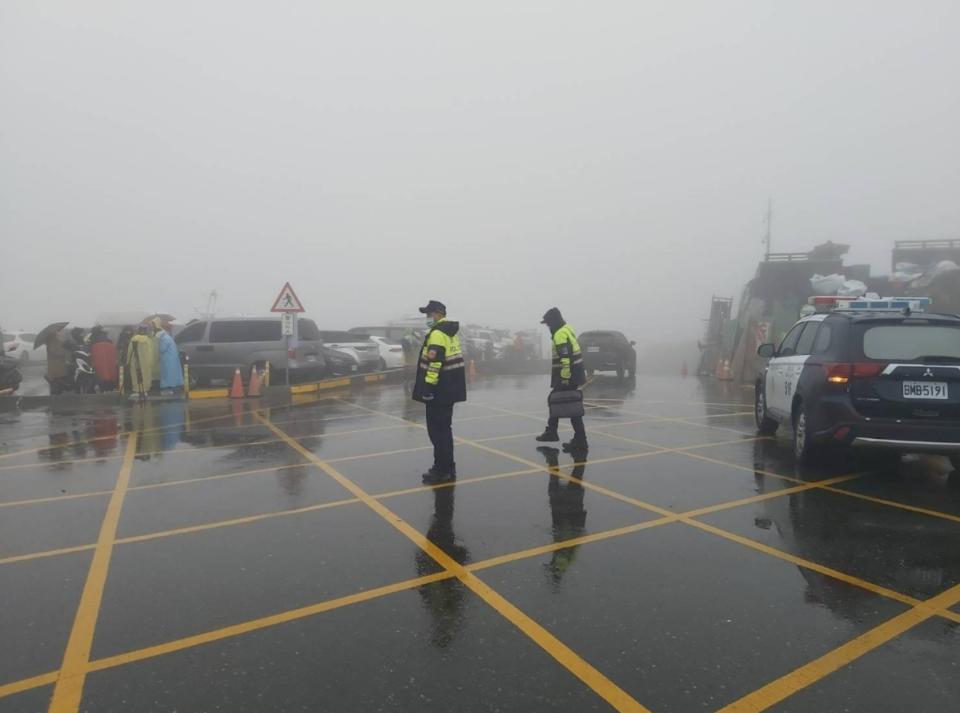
287,301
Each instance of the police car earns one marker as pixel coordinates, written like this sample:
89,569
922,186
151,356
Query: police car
867,374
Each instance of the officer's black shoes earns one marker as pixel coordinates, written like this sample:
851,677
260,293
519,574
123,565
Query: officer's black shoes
577,444
548,436
437,476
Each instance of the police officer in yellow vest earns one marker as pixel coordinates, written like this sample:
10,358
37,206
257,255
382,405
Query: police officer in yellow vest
441,382
567,374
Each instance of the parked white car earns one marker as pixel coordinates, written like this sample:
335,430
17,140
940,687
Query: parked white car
391,353
358,346
19,345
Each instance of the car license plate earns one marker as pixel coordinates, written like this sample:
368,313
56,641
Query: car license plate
925,390
593,349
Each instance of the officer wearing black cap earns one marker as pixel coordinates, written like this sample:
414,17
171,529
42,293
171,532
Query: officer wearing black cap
440,383
568,373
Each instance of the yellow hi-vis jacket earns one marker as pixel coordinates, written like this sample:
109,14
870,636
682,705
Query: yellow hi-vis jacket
567,360
441,377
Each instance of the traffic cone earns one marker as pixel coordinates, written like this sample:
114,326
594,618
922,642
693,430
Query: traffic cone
236,391
254,388
472,371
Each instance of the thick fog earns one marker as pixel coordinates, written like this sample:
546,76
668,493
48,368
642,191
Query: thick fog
613,159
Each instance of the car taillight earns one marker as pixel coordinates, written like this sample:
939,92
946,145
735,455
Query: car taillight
843,373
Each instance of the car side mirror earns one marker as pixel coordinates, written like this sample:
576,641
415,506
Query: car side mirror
766,351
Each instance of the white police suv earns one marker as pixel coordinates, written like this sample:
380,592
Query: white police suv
874,374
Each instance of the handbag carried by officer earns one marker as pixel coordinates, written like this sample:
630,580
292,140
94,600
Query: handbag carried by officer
565,404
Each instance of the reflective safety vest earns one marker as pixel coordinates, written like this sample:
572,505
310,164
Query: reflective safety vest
567,360
440,371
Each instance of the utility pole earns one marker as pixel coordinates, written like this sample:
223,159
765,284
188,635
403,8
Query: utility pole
768,221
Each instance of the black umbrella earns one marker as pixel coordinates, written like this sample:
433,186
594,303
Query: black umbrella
46,332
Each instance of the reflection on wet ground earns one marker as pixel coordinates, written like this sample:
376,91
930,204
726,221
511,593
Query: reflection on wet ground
245,556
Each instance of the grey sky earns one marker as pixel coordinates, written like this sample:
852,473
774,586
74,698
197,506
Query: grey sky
613,159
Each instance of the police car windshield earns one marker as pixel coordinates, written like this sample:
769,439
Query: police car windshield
907,342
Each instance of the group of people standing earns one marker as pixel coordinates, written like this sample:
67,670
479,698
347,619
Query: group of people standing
441,383
144,360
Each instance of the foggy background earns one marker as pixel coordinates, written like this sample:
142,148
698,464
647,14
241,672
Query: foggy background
611,158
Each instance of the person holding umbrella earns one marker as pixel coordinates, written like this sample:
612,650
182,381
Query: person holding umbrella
52,338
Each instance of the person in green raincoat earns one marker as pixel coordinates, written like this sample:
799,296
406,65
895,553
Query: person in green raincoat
155,327
141,361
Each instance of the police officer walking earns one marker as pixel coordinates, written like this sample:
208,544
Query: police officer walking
440,383
567,374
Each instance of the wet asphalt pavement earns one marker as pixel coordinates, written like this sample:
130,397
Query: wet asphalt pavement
241,557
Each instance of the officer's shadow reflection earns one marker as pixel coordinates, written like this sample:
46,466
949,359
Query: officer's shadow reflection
566,509
444,600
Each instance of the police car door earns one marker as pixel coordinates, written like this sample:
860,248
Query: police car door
792,365
775,388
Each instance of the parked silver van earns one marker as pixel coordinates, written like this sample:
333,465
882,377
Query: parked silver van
217,347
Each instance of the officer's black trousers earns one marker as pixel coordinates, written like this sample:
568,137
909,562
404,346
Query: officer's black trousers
576,422
440,429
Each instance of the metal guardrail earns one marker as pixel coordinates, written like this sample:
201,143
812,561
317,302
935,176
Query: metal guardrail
926,245
787,257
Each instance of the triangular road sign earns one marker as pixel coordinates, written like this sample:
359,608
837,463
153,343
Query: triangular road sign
287,301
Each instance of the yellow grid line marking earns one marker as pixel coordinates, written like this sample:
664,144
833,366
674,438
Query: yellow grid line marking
820,484
688,519
27,684
47,678
53,498
785,686
592,677
208,446
676,419
263,623
244,627
73,672
122,434
229,445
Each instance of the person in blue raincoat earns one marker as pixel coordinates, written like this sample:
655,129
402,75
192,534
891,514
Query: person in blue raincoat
171,374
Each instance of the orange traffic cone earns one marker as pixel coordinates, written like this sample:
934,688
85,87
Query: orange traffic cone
236,391
472,371
254,388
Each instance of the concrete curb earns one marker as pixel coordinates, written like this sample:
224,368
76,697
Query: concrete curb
273,393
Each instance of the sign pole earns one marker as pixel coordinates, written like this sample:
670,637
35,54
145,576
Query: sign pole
288,304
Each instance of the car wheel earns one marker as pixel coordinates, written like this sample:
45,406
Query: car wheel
804,449
766,426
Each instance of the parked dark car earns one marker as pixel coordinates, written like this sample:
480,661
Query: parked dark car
866,379
608,351
339,363
217,347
